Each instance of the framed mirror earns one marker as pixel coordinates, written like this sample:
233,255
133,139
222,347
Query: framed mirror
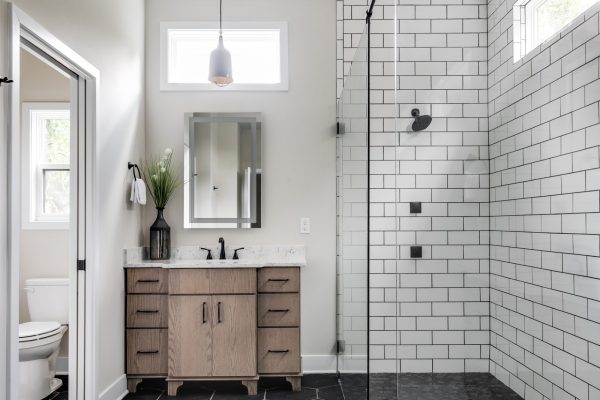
222,170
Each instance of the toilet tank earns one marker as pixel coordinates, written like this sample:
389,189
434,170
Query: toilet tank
48,299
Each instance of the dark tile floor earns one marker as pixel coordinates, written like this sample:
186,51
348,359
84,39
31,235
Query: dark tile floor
347,387
62,392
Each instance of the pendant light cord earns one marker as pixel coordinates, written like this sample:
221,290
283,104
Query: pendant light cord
220,17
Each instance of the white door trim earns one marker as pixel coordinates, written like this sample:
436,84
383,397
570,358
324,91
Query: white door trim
82,283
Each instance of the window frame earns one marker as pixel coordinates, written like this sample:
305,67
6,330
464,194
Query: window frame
165,85
32,174
525,34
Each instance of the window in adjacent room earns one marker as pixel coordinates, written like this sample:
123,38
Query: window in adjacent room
538,20
258,52
46,170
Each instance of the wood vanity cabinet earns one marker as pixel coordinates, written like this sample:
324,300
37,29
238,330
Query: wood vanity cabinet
213,324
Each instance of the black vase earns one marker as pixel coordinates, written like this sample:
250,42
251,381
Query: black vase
160,238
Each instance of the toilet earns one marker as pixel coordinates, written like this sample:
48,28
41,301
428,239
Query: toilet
39,340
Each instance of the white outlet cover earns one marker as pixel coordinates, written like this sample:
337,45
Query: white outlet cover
304,225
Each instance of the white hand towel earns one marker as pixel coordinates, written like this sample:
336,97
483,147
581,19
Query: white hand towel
138,192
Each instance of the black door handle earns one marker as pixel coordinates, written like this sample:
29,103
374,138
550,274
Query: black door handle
278,280
279,311
279,351
148,352
148,281
147,311
219,312
203,313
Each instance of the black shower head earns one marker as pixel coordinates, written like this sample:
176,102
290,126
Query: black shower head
421,121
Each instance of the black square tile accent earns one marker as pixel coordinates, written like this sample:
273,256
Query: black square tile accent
416,252
415,207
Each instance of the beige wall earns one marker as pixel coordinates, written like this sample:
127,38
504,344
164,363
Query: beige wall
298,143
110,35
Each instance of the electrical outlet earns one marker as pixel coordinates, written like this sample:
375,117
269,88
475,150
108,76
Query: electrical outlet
304,225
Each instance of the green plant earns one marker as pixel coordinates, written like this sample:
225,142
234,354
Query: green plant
162,178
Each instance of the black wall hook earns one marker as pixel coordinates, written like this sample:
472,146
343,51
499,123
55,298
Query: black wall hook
5,80
133,166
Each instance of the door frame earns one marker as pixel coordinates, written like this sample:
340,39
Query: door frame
84,193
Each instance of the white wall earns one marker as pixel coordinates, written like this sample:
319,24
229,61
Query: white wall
110,35
298,143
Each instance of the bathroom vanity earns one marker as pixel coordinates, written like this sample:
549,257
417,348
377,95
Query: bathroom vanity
194,320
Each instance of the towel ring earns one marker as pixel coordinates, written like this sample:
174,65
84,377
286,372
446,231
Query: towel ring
133,166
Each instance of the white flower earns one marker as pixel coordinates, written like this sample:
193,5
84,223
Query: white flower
154,177
160,164
163,169
164,158
168,151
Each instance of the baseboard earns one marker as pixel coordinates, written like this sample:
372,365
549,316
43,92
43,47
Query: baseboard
116,391
319,364
62,365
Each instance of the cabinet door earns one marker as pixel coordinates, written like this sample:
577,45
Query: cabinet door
190,336
234,336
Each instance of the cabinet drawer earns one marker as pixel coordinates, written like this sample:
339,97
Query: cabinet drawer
147,311
147,351
279,280
212,281
147,280
278,350
189,281
233,281
279,309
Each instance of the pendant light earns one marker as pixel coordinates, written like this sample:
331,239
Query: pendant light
220,59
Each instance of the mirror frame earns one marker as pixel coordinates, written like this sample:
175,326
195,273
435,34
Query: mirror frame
255,121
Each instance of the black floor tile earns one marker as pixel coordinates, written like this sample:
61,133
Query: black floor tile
319,380
331,393
287,394
349,387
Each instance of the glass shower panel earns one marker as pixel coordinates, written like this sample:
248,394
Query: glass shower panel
352,230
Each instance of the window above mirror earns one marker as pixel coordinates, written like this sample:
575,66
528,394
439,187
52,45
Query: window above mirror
258,51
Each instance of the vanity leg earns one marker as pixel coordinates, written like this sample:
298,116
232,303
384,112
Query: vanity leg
132,384
296,382
172,387
252,387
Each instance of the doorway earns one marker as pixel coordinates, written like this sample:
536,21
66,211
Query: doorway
51,131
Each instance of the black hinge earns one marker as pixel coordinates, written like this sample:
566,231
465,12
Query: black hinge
80,265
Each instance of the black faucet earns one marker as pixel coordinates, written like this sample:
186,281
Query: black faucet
222,253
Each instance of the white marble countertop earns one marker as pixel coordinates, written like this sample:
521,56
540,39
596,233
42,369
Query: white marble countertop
195,257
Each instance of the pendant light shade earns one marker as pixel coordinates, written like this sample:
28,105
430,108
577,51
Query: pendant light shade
220,65
220,72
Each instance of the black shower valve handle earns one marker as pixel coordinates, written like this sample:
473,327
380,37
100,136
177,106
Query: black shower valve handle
209,255
235,254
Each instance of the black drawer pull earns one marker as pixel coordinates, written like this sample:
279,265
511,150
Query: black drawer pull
147,311
279,351
204,312
280,311
148,352
278,280
148,281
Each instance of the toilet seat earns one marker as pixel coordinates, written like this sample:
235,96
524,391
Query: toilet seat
34,331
